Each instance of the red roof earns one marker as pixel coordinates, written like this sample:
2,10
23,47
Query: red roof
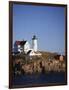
20,42
17,42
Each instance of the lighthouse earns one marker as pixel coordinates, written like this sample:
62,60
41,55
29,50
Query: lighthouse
34,43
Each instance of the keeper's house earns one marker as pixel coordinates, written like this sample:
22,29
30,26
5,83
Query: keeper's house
24,47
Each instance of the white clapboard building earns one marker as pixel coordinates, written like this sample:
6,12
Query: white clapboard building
24,46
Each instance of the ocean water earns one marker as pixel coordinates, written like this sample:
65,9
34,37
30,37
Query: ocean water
39,79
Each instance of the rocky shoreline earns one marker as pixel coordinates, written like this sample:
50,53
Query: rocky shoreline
37,65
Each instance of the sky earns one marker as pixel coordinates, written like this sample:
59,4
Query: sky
46,22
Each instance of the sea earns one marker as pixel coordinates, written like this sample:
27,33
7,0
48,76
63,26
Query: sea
42,78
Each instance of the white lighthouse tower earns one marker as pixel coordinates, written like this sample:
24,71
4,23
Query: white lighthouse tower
34,43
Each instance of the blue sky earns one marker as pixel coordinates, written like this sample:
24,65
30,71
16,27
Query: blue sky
46,22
